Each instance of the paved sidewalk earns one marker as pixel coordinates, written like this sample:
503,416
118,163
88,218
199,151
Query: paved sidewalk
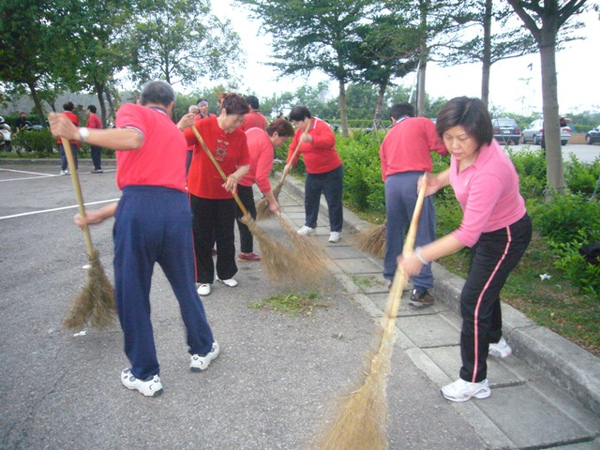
546,395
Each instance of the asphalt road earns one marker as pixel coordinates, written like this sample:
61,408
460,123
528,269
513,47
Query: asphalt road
584,153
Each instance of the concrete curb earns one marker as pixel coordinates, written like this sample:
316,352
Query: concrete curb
545,352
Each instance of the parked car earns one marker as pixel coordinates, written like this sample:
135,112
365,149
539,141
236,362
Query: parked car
593,136
535,133
506,130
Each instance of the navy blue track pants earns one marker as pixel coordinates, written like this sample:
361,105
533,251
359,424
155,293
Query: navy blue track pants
154,225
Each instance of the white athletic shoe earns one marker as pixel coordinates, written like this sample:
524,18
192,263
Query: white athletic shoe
334,237
204,289
501,349
201,362
230,282
306,231
150,388
461,390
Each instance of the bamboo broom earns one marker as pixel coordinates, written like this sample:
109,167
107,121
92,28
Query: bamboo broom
372,240
262,207
96,300
279,262
361,422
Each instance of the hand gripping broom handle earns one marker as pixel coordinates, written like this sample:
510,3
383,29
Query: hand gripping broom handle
75,177
409,243
214,161
296,151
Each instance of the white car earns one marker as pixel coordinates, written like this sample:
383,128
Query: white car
534,133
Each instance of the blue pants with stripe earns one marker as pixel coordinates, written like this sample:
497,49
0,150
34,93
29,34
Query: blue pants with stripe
153,224
494,256
400,199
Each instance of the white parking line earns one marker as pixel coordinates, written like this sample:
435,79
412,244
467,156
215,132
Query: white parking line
38,174
57,209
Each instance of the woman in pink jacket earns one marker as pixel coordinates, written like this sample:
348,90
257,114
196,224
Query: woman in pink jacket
495,225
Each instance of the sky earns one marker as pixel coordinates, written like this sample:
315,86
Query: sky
515,84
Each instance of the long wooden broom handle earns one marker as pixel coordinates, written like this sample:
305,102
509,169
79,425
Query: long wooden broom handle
75,177
409,243
215,162
306,129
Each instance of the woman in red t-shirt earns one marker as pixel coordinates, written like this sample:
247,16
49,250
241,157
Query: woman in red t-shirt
213,205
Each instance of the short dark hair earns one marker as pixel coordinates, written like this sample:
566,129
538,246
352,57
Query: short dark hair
92,108
69,106
159,92
234,104
282,127
469,113
201,100
402,109
299,113
252,101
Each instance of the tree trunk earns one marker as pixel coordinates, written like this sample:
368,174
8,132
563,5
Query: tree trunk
554,163
100,92
421,85
38,103
343,111
377,122
487,53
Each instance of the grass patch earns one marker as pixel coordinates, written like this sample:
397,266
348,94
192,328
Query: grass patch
363,282
291,304
552,303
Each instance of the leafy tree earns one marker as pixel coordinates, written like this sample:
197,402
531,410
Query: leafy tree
35,38
544,18
180,41
388,49
487,47
314,34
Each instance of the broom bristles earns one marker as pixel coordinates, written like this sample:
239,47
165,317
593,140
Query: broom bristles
361,420
311,257
372,241
278,262
262,207
95,302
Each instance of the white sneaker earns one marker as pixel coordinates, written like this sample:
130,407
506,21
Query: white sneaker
306,231
64,172
501,349
204,289
201,362
150,388
461,390
230,282
334,236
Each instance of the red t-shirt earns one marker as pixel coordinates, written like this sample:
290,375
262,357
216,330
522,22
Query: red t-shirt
261,159
94,121
73,118
229,149
160,161
407,147
254,119
320,155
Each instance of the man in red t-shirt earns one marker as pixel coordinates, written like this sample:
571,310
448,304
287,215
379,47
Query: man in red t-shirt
95,122
64,164
153,223
254,118
405,156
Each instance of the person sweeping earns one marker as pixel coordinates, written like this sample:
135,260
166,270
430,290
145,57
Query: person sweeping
261,145
495,225
213,204
153,224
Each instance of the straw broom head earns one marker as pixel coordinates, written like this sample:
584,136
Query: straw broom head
312,262
361,423
96,300
278,261
372,241
262,207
